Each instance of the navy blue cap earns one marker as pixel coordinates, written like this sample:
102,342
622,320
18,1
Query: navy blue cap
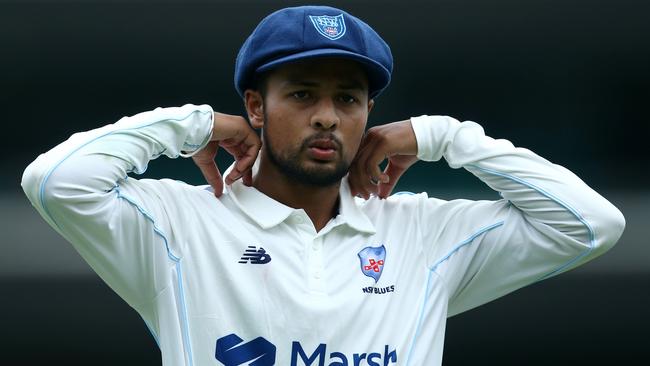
297,33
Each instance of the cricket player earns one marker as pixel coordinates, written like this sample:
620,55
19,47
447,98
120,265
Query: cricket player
298,254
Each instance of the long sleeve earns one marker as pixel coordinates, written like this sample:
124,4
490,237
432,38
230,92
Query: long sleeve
548,221
119,225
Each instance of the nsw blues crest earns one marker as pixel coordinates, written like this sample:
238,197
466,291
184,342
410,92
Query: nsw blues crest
332,27
372,261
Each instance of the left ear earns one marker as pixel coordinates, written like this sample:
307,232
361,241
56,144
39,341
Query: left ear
371,103
254,104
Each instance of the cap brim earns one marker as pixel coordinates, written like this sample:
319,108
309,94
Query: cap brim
378,75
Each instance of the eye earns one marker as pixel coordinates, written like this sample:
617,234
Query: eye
300,94
347,99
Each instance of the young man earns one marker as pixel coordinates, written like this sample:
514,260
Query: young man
285,266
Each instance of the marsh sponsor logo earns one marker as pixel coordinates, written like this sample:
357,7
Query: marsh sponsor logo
230,351
319,356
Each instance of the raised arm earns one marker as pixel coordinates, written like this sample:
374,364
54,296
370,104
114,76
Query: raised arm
547,222
121,226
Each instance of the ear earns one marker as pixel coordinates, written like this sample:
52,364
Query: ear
371,103
254,107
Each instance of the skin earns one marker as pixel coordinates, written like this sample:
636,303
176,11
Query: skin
313,116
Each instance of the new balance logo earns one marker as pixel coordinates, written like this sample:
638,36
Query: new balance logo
254,256
259,349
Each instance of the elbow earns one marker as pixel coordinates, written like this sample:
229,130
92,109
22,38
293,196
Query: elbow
46,184
31,181
608,228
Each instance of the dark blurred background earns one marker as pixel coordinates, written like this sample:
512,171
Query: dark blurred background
569,80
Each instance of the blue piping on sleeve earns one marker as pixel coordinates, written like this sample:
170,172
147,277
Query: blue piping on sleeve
432,270
184,320
186,333
466,242
418,328
149,217
592,235
156,229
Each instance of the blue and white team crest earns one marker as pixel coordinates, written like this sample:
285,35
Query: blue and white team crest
332,27
372,261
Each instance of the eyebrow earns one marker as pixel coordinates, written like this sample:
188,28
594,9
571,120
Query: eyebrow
352,84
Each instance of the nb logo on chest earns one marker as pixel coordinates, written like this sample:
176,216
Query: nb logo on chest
253,255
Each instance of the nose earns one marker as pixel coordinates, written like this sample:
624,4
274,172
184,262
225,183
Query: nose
325,116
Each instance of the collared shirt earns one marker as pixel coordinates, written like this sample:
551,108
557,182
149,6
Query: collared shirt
240,278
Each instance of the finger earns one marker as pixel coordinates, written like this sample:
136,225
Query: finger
204,160
250,150
213,176
248,178
245,155
373,157
358,179
354,188
360,171
373,167
393,172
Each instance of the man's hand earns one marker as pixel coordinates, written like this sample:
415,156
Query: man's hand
234,134
395,142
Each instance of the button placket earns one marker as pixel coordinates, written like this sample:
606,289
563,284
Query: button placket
316,265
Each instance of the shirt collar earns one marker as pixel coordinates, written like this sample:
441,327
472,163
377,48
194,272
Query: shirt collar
261,208
268,212
351,212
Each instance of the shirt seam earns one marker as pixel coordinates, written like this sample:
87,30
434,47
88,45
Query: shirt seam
185,331
592,235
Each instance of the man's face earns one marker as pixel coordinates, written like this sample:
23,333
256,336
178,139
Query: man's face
315,114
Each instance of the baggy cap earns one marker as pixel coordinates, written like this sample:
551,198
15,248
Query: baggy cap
304,32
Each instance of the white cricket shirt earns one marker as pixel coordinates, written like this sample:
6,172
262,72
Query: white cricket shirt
244,278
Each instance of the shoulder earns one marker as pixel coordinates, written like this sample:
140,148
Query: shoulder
400,203
409,203
166,187
171,194
398,199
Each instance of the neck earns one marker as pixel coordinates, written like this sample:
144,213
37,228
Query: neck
320,203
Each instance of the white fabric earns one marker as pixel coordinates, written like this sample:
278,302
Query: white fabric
172,250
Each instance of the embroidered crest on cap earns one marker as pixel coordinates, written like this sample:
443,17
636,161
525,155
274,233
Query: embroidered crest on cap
332,27
372,261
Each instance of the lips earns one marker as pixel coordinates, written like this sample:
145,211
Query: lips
325,144
323,149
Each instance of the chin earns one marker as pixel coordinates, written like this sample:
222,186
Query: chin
320,174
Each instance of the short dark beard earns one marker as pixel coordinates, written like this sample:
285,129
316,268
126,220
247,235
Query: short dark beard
289,165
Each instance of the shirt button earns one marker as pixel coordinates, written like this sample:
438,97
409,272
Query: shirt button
314,247
298,219
317,275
